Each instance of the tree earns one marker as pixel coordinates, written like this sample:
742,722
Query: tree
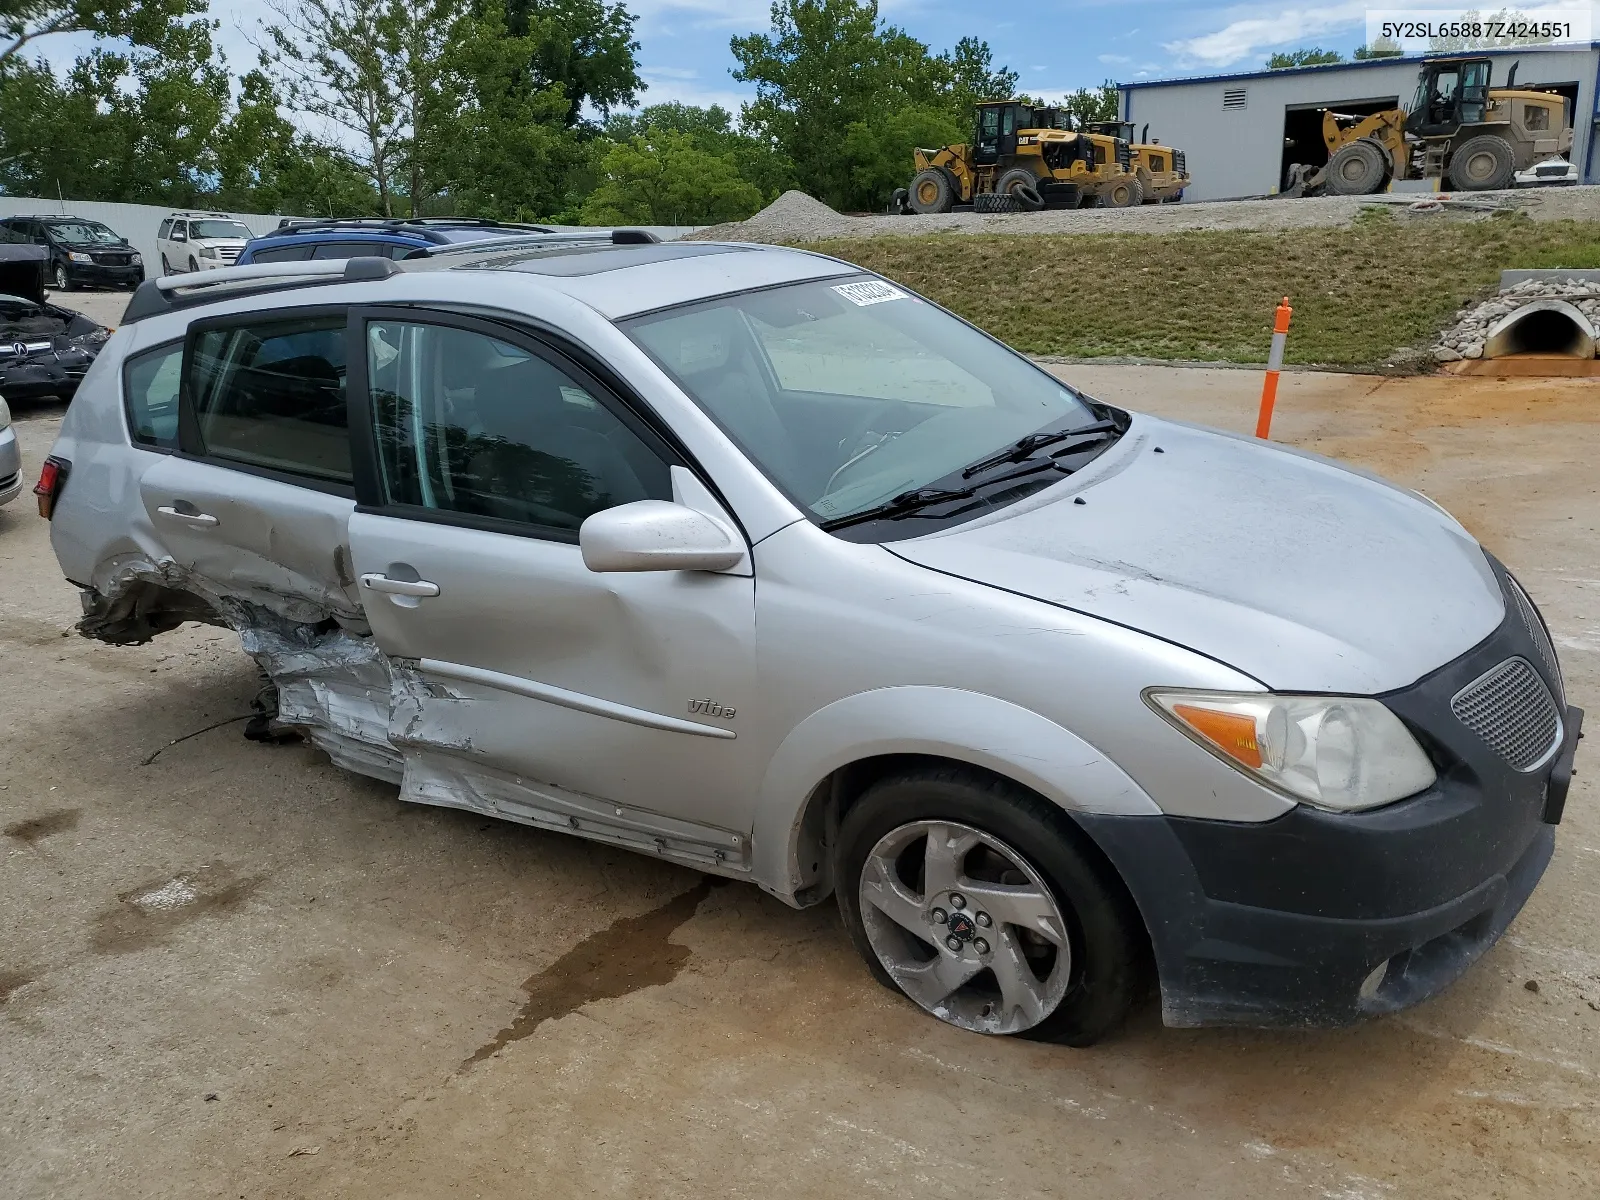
585,47
146,23
879,152
1313,57
974,78
829,66
714,131
1086,105
666,179
1381,48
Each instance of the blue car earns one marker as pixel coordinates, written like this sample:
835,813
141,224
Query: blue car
295,240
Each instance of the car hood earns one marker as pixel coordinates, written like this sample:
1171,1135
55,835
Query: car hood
1300,572
122,246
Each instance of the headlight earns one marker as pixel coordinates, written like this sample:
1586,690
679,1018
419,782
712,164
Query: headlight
1336,752
94,339
5,414
208,251
74,256
136,260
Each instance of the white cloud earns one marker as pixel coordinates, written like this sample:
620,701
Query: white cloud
666,84
1249,35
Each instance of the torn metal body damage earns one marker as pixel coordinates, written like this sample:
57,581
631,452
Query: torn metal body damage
372,713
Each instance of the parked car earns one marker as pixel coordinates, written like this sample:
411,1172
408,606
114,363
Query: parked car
83,253
754,561
296,240
45,350
10,457
199,241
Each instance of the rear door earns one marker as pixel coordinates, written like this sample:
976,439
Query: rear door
256,499
608,703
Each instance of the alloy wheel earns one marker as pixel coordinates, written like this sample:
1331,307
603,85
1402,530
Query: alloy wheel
965,926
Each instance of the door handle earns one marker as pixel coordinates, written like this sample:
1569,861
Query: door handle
399,587
199,520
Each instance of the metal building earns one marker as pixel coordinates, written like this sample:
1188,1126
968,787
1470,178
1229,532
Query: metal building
1241,131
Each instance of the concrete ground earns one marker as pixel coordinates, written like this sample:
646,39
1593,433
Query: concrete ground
233,970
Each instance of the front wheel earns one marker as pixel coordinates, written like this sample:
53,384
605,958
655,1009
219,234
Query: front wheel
63,283
931,191
193,266
946,909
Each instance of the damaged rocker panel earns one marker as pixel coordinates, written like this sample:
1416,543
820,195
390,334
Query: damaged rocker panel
378,716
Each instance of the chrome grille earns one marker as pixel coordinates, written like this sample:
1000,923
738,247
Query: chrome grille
230,253
1512,710
1541,639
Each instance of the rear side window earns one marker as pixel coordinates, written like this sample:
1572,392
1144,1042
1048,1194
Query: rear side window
351,250
281,254
150,390
272,395
166,228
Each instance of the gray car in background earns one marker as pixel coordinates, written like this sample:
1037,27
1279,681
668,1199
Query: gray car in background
753,561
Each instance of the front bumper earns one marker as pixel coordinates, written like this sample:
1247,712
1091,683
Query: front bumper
1288,922
10,466
103,275
49,374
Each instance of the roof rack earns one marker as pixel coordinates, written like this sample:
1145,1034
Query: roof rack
293,225
576,237
177,291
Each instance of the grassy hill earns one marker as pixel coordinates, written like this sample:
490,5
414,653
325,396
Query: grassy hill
1361,294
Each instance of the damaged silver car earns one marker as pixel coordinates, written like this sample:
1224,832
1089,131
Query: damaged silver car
748,559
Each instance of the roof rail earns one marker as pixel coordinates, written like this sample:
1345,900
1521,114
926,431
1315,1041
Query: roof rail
564,237
176,291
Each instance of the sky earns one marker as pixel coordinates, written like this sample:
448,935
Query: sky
1053,45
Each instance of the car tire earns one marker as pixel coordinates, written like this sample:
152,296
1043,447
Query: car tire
63,281
1486,163
1082,985
1022,185
166,267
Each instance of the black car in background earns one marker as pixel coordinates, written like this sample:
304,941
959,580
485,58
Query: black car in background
45,350
83,253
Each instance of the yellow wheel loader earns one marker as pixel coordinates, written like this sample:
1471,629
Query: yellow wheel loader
1458,129
1163,171
1021,157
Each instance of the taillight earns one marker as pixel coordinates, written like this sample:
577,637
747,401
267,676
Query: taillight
52,478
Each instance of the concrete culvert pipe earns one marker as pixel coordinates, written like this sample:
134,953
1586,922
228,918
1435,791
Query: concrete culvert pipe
1548,327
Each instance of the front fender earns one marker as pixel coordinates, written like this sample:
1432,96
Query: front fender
942,722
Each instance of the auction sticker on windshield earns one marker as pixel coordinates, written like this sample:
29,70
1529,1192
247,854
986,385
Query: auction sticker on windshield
869,291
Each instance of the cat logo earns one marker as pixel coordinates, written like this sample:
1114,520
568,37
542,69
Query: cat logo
711,709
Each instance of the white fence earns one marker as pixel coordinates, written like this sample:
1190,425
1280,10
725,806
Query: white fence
139,222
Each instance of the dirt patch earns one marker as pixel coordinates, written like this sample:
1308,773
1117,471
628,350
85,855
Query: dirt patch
151,913
12,981
36,829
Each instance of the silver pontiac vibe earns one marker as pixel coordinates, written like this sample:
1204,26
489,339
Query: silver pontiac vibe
748,559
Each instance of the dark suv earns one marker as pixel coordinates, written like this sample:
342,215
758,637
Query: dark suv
295,240
83,253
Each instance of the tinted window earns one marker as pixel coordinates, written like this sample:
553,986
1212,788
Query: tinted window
273,395
351,250
150,387
470,424
220,229
166,228
280,254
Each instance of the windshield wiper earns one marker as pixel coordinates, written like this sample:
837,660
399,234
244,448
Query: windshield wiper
1023,447
909,504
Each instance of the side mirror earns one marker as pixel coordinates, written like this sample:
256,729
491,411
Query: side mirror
654,535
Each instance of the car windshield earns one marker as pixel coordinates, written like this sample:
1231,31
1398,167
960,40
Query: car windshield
851,392
81,232
218,229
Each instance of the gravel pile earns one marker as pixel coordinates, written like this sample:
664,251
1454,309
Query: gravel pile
797,217
1466,336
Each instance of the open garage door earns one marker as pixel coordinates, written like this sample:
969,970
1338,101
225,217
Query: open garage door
1302,129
